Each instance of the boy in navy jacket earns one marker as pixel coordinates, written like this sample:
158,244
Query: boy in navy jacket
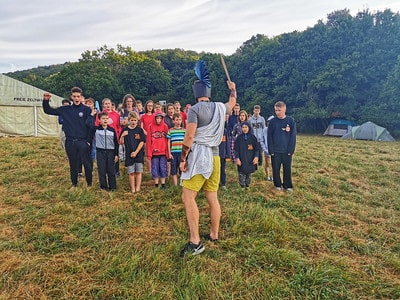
281,138
76,118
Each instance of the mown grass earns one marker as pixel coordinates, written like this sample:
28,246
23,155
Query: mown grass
335,237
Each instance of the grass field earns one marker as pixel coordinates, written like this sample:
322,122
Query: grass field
336,237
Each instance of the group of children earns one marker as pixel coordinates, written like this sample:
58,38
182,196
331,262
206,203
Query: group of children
160,143
243,148
247,137
162,146
155,138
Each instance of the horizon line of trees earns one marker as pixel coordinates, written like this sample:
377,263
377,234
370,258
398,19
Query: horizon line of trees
347,67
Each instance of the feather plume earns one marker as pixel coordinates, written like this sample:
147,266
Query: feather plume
202,73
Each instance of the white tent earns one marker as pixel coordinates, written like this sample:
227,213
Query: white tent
339,127
21,112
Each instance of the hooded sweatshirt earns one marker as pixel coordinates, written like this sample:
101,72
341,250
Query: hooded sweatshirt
157,137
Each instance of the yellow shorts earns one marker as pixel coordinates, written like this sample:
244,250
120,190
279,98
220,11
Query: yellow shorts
198,181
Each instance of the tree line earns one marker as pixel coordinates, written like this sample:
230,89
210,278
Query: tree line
344,67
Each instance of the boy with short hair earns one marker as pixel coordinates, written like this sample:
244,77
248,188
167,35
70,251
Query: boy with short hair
133,138
175,136
177,106
257,122
106,151
77,132
139,108
281,139
246,152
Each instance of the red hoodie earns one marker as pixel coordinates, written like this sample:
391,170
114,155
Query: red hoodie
157,137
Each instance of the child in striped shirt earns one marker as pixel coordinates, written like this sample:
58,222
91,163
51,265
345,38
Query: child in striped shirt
175,136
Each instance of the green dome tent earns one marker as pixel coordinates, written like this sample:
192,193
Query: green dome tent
369,131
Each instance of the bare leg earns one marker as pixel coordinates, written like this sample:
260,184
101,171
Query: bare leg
215,213
138,177
148,164
267,165
192,214
174,179
132,182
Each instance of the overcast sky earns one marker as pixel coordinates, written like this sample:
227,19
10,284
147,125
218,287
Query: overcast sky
44,32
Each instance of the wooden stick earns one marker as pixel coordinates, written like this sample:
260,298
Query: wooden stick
225,68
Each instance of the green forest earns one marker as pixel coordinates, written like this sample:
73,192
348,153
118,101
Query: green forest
344,67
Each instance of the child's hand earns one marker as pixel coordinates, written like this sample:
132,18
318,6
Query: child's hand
238,162
116,158
255,160
133,154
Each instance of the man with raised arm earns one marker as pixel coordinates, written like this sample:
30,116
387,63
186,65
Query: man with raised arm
200,161
77,119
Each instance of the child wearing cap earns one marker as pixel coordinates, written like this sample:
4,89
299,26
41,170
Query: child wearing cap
246,152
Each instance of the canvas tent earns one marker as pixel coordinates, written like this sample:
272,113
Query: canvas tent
369,131
339,127
21,112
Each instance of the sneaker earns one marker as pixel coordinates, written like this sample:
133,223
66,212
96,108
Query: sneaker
289,190
80,175
223,187
208,238
268,179
193,249
278,188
